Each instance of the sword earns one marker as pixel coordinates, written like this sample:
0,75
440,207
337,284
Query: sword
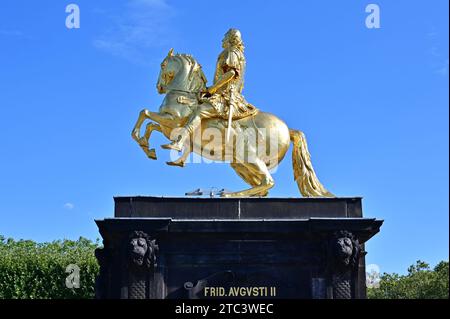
230,119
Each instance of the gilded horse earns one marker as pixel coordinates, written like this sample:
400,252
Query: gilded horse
181,79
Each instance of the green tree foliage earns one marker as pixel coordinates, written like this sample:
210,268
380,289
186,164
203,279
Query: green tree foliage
38,270
421,282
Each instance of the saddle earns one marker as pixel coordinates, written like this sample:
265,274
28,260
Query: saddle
239,112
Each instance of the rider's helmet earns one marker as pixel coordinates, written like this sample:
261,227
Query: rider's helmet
233,37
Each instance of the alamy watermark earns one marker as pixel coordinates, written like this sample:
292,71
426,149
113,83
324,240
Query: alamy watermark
373,19
73,19
248,145
73,279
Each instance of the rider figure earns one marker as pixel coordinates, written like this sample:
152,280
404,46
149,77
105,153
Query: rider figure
226,92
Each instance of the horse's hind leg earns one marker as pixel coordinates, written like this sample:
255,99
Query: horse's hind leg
257,175
249,177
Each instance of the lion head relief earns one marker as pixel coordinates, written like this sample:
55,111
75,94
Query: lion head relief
142,250
345,250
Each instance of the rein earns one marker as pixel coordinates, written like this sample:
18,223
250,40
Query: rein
190,92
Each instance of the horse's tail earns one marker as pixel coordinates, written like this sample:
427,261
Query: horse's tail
304,174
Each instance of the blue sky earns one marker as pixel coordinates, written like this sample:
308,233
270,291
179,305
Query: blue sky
373,104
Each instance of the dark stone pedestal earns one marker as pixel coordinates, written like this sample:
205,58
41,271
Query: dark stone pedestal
208,248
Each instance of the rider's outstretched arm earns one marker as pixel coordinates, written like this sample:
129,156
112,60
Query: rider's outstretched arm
224,79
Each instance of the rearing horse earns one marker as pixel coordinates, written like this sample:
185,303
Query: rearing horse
181,78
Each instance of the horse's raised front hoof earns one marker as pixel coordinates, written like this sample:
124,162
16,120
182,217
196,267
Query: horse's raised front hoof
151,153
176,163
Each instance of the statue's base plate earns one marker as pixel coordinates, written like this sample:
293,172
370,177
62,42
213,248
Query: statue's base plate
279,248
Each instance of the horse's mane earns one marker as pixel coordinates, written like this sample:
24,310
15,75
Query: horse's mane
195,66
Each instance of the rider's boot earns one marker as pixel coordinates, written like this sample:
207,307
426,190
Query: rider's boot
192,124
178,144
179,162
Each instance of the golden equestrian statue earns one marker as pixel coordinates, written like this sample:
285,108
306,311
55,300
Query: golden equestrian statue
217,123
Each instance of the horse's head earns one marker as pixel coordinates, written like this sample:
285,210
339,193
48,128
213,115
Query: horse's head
180,72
